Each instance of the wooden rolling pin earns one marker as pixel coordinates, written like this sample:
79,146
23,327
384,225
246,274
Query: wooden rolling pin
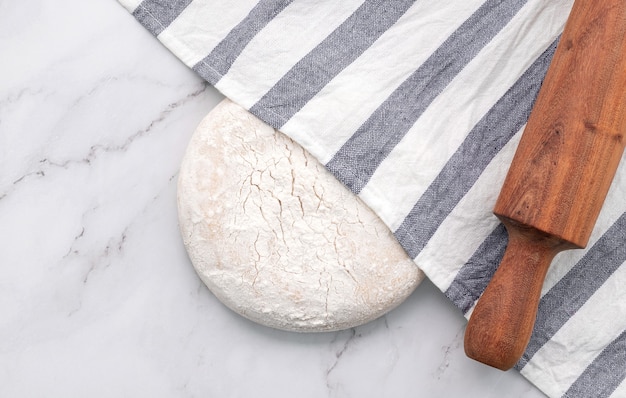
559,177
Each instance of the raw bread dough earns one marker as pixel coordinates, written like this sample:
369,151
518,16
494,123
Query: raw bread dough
277,238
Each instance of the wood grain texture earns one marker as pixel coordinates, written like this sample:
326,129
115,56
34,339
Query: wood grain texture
559,177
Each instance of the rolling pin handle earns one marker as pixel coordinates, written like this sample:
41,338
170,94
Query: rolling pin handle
502,322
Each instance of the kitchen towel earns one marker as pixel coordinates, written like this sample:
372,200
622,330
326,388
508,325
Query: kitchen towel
417,106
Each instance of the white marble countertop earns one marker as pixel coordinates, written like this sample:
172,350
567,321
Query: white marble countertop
97,295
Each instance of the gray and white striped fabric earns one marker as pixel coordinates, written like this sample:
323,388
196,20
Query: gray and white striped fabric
417,106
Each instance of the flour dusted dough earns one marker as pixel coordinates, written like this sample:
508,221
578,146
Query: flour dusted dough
277,238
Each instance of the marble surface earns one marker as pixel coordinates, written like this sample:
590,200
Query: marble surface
97,295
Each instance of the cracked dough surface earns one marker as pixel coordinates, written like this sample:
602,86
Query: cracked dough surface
277,238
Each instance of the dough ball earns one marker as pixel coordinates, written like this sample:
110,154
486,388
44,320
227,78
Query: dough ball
277,238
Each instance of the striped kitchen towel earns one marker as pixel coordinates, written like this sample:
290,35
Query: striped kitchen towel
417,106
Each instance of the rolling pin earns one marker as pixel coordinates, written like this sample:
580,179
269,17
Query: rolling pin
559,176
